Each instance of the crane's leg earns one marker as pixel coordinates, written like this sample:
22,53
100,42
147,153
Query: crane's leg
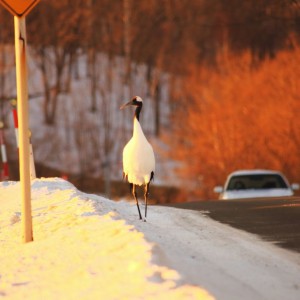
133,191
146,194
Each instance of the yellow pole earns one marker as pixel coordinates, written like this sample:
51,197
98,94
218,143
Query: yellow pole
24,153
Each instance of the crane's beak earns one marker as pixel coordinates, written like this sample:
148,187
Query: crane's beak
126,104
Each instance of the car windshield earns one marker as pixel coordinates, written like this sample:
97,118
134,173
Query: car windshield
256,181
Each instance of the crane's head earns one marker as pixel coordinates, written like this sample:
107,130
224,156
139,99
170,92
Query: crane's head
135,101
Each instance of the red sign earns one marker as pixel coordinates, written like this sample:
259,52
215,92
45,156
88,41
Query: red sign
19,8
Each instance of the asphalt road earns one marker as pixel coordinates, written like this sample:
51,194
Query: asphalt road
275,220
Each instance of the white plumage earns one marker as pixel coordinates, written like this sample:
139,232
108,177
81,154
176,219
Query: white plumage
138,156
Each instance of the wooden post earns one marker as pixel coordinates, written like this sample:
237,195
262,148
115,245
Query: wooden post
3,153
31,159
24,153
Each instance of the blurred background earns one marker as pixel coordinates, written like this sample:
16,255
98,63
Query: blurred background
220,82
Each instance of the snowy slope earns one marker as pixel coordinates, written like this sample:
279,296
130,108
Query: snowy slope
227,262
78,253
93,248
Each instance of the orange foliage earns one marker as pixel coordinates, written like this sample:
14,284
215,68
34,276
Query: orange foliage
238,116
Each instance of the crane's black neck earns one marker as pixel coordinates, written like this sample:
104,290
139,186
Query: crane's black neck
138,110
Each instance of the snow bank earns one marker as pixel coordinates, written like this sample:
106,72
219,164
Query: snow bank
93,248
80,250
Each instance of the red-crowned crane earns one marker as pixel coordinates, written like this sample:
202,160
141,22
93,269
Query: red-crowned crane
138,156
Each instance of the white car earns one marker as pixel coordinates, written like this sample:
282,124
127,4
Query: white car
255,184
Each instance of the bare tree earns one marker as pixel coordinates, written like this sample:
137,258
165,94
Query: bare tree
54,50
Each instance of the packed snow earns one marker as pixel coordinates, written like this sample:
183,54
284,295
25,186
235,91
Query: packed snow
79,251
86,246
